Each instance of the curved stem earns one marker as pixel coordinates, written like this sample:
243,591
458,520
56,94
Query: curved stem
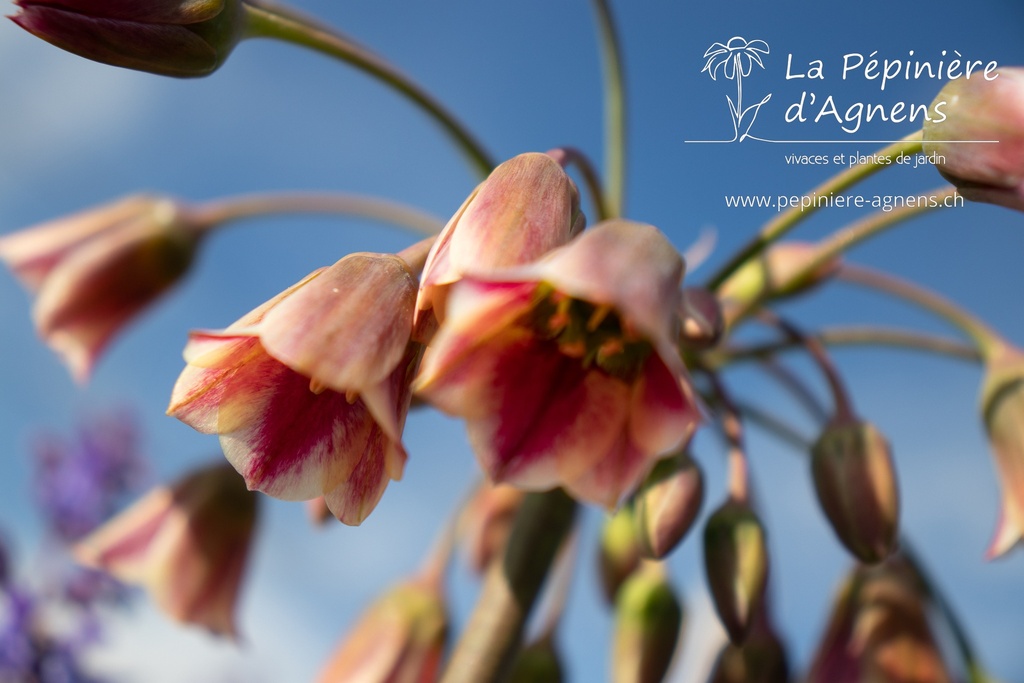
988,342
570,155
614,110
775,426
850,336
788,219
842,240
491,638
800,391
732,429
271,21
219,212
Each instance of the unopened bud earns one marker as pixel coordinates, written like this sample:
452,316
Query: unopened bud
619,552
537,663
703,322
761,659
779,272
667,504
648,620
855,481
736,563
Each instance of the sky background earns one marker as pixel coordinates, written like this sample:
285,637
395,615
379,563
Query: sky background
524,76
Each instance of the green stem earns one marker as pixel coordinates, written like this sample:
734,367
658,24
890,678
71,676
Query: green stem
614,110
849,336
570,155
217,213
272,21
792,383
492,636
775,426
843,240
987,341
790,218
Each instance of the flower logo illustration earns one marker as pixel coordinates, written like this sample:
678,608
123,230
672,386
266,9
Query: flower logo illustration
736,59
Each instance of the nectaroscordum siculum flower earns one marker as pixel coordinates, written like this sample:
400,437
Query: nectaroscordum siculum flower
309,391
566,370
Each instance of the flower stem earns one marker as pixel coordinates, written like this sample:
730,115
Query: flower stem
217,213
614,110
987,341
787,220
491,637
273,21
850,336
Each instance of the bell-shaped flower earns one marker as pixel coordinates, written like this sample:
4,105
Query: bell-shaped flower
880,631
525,208
988,111
1002,406
187,544
309,391
566,370
855,480
168,37
400,638
92,272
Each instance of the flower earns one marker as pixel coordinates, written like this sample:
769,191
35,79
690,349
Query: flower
736,56
526,207
855,481
1002,407
187,544
94,271
309,391
986,110
566,370
401,637
879,631
181,38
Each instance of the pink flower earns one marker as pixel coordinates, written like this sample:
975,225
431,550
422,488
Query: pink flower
566,370
525,208
94,271
309,392
187,544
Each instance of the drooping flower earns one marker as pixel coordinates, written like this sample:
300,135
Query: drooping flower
309,391
526,207
92,272
181,38
988,111
880,631
566,370
400,638
738,55
187,544
1002,407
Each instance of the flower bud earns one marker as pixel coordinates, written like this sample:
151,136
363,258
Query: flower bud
1002,407
181,38
703,322
777,273
736,564
761,659
978,108
537,663
401,637
667,504
855,481
648,621
187,544
94,271
618,552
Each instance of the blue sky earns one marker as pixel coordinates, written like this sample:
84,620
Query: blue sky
525,77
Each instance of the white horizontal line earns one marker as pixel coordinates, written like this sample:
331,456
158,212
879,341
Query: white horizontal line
841,142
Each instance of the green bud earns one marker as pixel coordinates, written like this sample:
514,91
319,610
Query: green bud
648,620
618,552
537,663
736,563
